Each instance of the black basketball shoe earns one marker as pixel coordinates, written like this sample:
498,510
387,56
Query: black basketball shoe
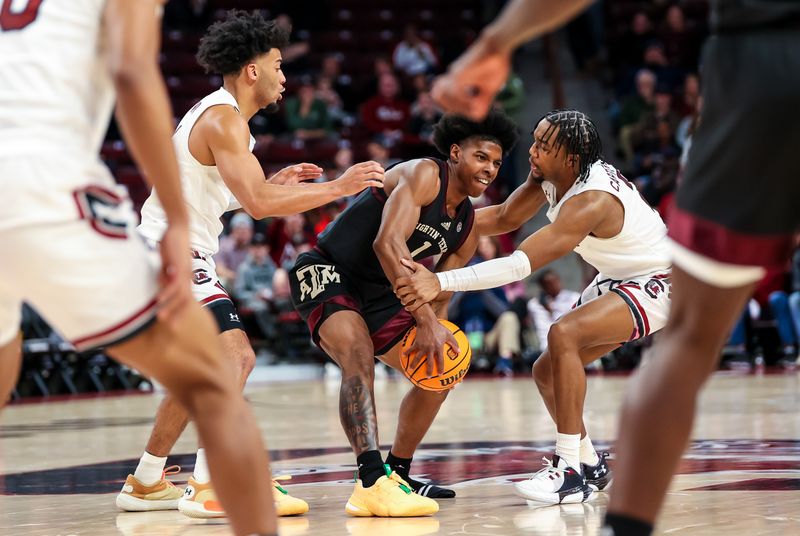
421,488
598,476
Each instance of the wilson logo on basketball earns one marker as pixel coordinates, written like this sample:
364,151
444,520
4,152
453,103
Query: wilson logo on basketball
452,379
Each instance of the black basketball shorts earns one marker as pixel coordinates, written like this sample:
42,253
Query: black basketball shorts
320,288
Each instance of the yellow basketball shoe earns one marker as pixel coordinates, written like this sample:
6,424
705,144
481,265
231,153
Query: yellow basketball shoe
285,504
390,496
200,501
138,497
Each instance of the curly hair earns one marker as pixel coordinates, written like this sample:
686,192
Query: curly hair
455,129
230,44
578,135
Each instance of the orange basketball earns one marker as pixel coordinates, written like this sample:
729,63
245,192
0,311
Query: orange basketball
455,368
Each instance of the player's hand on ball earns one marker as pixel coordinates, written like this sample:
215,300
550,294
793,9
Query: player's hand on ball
176,274
292,175
417,289
429,345
360,176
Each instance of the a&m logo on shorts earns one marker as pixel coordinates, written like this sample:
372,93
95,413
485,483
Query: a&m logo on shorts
314,278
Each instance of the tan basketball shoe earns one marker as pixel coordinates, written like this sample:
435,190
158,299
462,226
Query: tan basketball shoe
138,497
285,504
390,496
200,501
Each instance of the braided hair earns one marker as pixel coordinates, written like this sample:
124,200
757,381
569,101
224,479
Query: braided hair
577,134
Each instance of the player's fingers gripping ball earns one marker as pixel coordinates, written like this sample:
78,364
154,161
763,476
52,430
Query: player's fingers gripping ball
455,365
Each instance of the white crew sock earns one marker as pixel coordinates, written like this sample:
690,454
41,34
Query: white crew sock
201,474
150,469
588,454
568,448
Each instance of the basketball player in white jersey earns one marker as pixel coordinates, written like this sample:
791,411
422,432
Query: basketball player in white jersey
597,213
219,173
66,235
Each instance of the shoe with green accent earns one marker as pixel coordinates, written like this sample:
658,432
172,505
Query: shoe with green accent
390,496
285,504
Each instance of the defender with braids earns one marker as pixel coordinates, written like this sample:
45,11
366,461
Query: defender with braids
597,213
219,173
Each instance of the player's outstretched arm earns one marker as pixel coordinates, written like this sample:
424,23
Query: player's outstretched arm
132,31
511,214
417,185
578,217
475,78
227,136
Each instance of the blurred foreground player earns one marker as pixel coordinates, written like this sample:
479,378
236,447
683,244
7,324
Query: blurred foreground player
220,173
69,247
736,211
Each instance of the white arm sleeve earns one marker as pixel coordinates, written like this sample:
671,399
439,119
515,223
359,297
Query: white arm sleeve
488,274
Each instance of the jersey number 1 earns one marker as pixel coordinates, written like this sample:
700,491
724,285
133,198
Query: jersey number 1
17,20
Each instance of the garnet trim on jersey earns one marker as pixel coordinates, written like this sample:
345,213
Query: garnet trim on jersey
121,331
87,200
642,327
721,244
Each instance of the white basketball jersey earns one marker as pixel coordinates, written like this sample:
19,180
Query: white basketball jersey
203,188
640,248
56,91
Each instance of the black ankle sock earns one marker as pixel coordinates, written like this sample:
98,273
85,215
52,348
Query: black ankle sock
628,526
403,465
399,463
370,467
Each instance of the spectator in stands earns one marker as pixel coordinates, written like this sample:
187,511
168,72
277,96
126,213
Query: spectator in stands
381,65
681,42
486,315
254,277
254,286
289,236
688,107
784,309
630,47
413,55
633,109
306,115
655,59
341,83
298,48
379,149
234,248
386,114
188,14
552,304
326,93
424,116
794,297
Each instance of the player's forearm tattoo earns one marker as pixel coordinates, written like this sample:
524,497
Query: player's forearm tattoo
357,413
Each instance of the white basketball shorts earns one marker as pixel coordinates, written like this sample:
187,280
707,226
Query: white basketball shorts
70,250
648,297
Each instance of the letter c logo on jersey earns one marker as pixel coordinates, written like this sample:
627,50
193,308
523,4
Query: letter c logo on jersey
200,276
654,287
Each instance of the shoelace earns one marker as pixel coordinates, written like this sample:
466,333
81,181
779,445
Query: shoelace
397,478
278,486
548,468
169,471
